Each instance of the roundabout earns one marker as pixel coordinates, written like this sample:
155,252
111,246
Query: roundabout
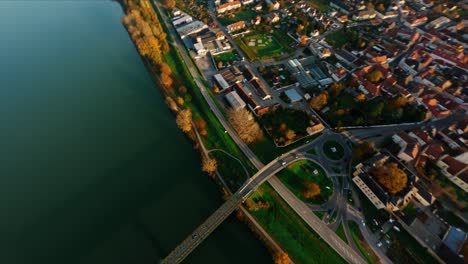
333,150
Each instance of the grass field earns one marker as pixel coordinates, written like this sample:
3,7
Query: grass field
285,226
362,245
260,46
216,137
340,232
226,57
337,154
296,174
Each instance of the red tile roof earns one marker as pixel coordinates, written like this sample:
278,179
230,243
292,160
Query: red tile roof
454,166
434,150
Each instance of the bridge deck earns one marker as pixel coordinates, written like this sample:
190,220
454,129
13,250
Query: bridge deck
203,231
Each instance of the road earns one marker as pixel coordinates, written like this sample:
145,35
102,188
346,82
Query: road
378,134
245,191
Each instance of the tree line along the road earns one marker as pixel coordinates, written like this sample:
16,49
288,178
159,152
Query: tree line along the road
150,39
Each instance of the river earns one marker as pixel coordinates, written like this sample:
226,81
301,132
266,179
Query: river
92,166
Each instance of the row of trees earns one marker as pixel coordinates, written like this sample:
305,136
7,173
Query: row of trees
145,30
150,39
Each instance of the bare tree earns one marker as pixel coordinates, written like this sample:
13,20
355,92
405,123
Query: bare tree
245,125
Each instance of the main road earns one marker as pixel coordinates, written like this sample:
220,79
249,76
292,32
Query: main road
305,213
264,174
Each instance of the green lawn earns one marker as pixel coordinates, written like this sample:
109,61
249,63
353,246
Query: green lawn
301,171
226,57
246,14
216,137
338,152
285,226
264,46
358,240
319,214
340,232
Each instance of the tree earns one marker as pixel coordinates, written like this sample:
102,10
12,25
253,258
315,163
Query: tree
335,89
363,151
300,28
182,90
245,125
360,98
311,189
303,41
376,109
380,7
166,80
184,120
169,4
290,134
220,65
397,102
319,101
215,88
281,257
209,165
164,68
172,104
180,101
390,177
374,76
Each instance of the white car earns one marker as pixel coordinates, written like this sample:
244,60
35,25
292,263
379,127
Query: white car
379,244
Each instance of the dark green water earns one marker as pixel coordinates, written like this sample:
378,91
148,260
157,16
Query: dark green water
92,166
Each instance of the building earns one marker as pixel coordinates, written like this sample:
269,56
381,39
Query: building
247,2
236,26
191,28
246,95
455,170
416,21
223,85
375,192
293,95
260,89
454,241
437,23
234,100
364,15
177,21
222,8
409,147
272,4
273,18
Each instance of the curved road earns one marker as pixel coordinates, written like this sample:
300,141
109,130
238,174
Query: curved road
301,209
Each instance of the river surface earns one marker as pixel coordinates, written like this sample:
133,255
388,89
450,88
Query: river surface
92,166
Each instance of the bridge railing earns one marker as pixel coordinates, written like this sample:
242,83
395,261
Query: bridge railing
203,231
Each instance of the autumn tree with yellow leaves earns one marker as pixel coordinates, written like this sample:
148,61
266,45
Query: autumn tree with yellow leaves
184,120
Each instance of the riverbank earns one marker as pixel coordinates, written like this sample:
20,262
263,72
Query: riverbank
216,136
